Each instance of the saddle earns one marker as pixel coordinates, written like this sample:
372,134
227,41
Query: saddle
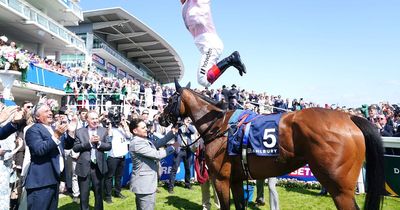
258,134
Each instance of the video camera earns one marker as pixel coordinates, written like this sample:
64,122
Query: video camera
115,118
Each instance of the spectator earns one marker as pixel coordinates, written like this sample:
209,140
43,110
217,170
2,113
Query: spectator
91,142
273,193
233,96
47,163
384,128
184,153
120,136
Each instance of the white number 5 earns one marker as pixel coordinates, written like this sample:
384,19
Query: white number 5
269,134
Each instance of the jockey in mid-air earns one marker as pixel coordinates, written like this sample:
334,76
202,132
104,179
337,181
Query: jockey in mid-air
197,17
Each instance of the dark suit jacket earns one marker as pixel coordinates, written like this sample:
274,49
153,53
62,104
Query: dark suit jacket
44,169
7,130
83,146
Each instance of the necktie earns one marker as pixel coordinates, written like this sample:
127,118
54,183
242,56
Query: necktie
61,159
93,155
93,151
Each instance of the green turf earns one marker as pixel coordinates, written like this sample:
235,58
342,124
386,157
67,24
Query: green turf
185,199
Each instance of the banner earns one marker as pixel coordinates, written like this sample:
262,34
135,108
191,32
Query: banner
166,167
304,174
121,73
111,67
392,174
98,59
130,76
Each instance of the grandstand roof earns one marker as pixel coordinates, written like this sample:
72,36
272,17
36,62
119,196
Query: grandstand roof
137,42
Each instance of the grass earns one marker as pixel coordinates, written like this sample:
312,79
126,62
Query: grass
185,199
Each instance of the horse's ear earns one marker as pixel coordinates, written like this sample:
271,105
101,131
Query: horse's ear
178,87
188,85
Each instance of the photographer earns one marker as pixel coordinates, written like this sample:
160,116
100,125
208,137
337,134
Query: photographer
184,138
119,135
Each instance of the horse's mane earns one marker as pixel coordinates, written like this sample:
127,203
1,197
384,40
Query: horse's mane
218,104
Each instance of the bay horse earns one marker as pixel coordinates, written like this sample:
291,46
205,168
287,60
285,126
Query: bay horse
334,144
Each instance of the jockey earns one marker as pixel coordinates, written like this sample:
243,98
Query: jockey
197,17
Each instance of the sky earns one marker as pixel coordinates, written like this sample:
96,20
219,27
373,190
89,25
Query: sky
344,52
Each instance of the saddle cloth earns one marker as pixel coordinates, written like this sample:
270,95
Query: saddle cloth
258,133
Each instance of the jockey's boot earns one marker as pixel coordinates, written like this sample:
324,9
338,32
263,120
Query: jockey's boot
218,69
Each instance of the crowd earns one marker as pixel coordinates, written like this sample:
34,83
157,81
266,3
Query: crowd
90,147
52,150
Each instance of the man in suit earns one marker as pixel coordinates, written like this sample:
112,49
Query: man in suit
91,142
47,163
145,154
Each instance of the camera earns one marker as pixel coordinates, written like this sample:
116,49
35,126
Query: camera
115,119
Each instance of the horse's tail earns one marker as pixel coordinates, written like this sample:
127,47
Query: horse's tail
374,163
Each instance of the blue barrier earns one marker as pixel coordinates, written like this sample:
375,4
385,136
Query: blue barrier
166,166
40,76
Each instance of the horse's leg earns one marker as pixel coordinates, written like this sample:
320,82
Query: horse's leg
237,192
222,189
340,181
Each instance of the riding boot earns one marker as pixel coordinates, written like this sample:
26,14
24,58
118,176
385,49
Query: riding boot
218,69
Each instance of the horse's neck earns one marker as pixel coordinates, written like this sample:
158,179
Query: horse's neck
211,127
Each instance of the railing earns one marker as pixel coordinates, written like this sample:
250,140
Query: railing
73,7
31,14
40,76
121,58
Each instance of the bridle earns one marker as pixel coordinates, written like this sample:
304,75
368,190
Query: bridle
172,115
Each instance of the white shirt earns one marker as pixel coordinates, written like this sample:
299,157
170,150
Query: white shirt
119,144
57,141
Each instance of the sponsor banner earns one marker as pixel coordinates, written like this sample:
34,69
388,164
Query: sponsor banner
98,59
304,174
121,73
165,169
392,174
111,67
130,76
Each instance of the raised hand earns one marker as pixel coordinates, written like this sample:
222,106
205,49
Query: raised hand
60,129
19,116
7,112
73,124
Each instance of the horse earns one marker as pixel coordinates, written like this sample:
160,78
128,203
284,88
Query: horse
334,144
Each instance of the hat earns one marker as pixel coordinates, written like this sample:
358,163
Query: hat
3,38
233,86
145,111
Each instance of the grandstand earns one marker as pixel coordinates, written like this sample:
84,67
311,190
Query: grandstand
63,42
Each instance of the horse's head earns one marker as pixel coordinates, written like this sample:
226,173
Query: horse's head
172,112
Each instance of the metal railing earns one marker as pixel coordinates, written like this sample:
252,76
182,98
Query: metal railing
73,7
121,58
35,16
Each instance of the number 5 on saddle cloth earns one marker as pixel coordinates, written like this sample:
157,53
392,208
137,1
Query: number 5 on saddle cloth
258,133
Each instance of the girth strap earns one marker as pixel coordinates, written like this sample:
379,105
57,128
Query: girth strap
245,143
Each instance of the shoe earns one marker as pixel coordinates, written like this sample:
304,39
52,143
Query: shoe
171,191
76,200
260,203
189,187
237,63
119,195
108,200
